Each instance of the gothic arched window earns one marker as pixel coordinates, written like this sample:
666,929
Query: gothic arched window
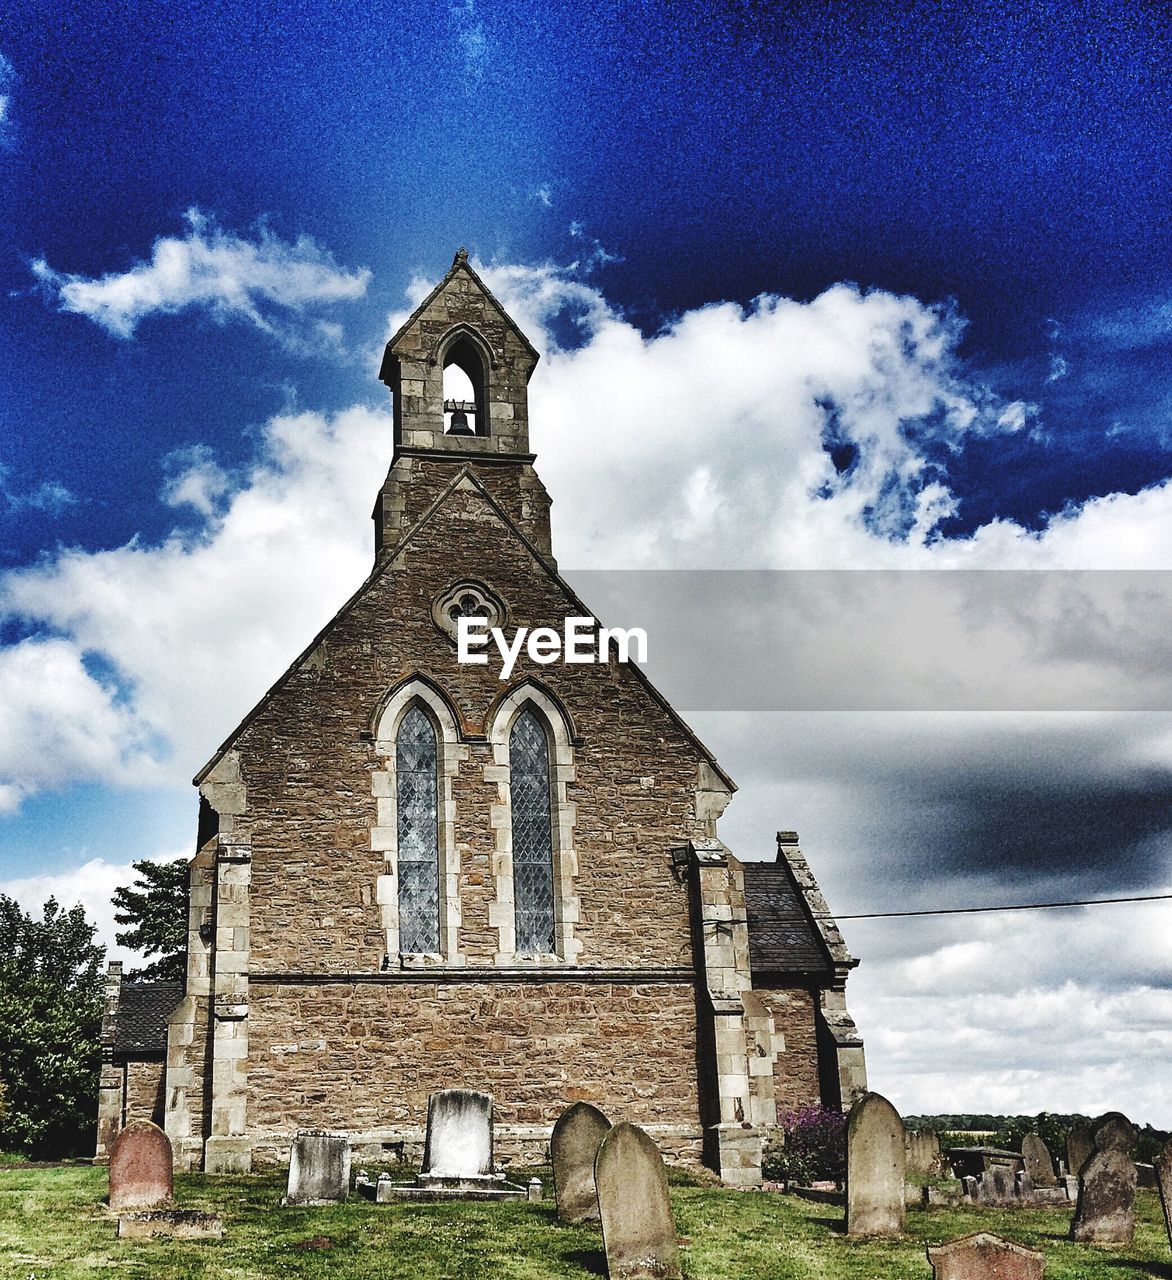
463,389
417,809
529,800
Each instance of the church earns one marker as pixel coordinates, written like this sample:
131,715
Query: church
413,875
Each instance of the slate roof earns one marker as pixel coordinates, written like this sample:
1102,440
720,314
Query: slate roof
143,1010
782,937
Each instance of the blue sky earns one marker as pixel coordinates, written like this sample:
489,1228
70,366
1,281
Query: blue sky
822,286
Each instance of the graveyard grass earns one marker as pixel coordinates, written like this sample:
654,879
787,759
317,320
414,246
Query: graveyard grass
52,1224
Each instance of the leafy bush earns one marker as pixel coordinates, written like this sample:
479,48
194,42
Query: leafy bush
51,989
813,1147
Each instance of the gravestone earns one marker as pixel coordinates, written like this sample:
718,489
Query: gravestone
997,1186
1114,1132
638,1231
1038,1164
984,1256
875,1168
573,1147
923,1153
140,1167
1163,1166
458,1146
1106,1199
319,1168
1080,1146
457,1156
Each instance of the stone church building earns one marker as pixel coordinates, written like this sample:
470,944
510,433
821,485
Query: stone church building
413,876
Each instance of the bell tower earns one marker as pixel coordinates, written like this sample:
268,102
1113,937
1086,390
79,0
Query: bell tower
458,371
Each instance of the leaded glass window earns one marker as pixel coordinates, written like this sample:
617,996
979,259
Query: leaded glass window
418,830
532,835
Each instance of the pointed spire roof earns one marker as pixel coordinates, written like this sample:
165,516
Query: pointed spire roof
460,266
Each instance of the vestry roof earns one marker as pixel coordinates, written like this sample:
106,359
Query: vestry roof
143,1010
782,937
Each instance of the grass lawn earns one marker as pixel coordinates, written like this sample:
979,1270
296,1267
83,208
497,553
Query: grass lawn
52,1225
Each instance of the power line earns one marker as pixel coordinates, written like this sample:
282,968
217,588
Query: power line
1027,906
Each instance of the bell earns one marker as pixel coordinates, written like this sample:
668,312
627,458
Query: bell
459,425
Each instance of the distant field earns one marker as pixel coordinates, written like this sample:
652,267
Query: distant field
52,1227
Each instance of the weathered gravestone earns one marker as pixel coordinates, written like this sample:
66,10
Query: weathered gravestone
875,1168
1114,1132
997,1186
1038,1164
573,1147
1080,1146
1163,1166
458,1147
984,1256
922,1150
319,1168
140,1167
638,1231
1106,1199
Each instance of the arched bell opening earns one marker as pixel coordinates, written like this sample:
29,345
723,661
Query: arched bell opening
464,390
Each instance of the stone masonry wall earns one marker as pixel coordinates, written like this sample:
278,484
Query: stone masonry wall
365,1056
144,1091
414,483
307,759
795,1071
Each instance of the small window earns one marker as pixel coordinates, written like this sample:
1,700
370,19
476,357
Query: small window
529,798
417,808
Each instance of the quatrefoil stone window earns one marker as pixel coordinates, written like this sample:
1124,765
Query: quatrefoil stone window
467,599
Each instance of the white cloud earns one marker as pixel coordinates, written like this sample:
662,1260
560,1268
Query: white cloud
738,404
1054,1011
195,479
706,448
1017,1011
50,496
63,723
267,282
595,255
90,886
190,631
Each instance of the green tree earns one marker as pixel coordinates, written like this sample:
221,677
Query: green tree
155,907
51,996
